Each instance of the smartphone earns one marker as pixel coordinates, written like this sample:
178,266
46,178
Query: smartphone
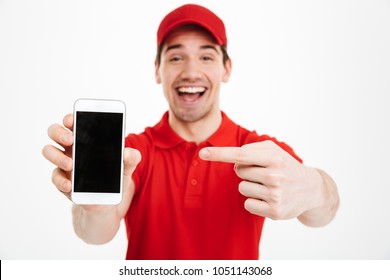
99,127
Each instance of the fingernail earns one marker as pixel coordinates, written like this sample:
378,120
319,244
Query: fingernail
204,153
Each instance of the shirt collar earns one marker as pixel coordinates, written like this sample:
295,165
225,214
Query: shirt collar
165,137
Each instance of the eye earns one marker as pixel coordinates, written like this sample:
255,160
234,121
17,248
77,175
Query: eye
175,58
207,58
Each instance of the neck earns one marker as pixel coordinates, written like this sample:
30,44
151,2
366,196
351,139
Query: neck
197,131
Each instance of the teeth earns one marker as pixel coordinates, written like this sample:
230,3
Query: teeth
191,89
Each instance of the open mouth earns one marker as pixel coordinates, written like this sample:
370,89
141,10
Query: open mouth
191,94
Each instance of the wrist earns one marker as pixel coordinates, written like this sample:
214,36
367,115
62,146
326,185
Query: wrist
326,202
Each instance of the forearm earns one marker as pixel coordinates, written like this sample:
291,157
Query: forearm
98,226
326,211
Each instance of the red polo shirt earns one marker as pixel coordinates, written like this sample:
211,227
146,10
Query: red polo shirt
187,208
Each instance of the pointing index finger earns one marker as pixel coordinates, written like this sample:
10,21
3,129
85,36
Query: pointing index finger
238,155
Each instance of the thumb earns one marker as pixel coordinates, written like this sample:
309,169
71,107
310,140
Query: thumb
131,158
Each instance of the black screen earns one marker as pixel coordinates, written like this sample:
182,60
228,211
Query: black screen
98,152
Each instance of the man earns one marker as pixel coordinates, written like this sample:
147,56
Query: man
204,184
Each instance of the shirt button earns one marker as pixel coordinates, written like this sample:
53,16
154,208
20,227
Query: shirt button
194,182
195,163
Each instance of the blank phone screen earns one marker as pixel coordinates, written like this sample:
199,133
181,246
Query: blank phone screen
98,152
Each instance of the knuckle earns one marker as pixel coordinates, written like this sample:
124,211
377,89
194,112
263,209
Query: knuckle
66,164
274,145
54,176
276,196
276,212
251,145
241,155
278,160
59,180
269,143
275,180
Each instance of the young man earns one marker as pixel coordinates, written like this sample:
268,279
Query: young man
204,184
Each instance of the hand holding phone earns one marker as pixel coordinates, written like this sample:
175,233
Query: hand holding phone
99,127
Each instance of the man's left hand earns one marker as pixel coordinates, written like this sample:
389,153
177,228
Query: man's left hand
277,185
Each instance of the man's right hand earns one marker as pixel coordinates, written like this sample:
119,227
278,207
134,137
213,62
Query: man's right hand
62,159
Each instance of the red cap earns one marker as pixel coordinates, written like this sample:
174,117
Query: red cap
192,14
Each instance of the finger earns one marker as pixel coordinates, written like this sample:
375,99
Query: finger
253,190
265,209
61,181
68,121
257,207
257,174
57,157
60,135
246,155
131,158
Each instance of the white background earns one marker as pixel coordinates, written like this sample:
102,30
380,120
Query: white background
315,74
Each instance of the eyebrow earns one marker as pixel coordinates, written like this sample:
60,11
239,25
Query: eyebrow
178,46
209,47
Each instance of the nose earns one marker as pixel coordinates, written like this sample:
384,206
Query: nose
191,70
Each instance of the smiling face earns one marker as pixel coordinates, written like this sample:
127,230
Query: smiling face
191,70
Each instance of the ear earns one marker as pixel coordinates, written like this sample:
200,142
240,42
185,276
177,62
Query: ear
156,73
227,71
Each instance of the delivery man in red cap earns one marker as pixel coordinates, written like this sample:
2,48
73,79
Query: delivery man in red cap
197,185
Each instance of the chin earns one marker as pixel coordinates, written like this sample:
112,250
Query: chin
188,116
